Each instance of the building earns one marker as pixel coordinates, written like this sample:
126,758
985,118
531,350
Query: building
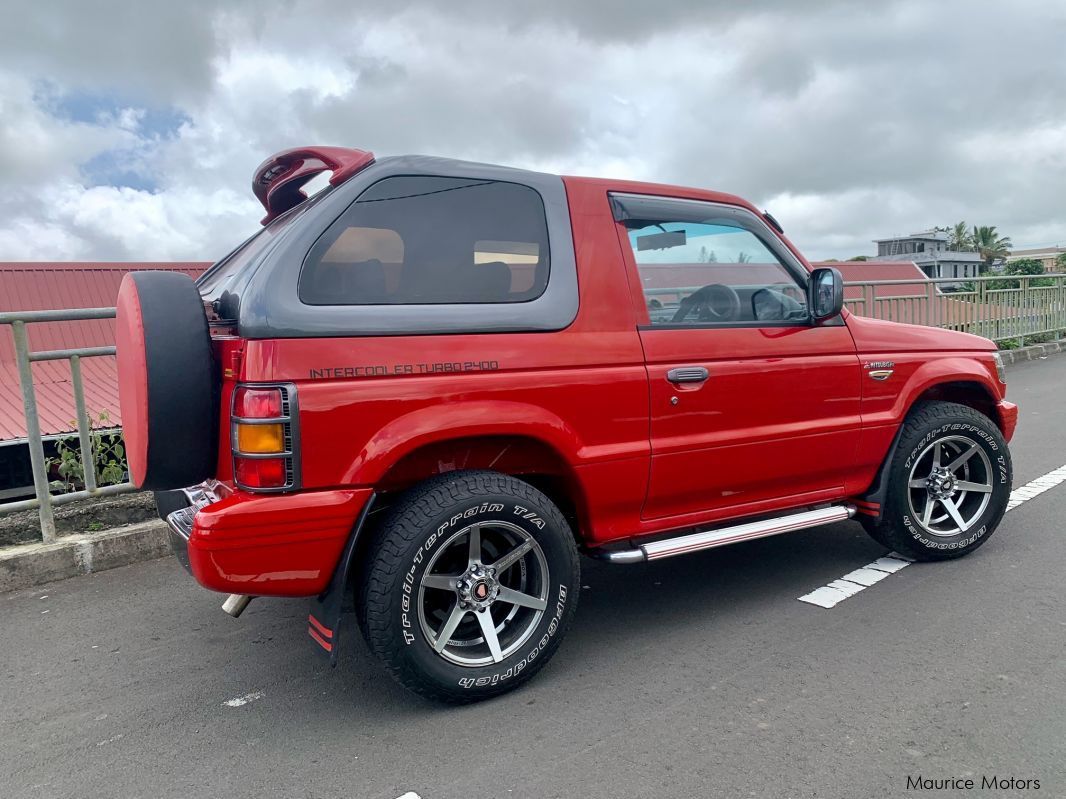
1048,256
929,250
36,286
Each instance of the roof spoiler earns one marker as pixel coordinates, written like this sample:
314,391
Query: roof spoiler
278,181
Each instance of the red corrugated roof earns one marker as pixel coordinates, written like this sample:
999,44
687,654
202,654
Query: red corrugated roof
37,286
864,271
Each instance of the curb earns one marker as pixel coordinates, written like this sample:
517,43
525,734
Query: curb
32,564
1032,353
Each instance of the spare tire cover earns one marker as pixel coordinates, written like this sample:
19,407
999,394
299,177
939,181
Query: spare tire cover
167,383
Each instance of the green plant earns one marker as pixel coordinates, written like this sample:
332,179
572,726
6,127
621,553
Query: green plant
1023,266
992,246
1008,344
108,457
1060,262
959,237
1043,338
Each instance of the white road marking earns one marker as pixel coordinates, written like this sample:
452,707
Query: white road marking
1036,487
409,795
243,700
850,584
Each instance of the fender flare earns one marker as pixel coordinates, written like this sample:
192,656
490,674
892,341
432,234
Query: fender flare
404,435
435,423
929,375
932,373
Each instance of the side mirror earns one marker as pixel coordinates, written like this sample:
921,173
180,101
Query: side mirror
825,294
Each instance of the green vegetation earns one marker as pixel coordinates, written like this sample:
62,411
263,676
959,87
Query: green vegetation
984,239
992,246
1026,341
108,453
959,238
1023,266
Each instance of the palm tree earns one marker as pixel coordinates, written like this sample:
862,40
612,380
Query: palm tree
959,238
992,246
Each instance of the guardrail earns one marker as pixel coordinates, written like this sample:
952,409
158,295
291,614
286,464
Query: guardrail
986,306
978,305
43,499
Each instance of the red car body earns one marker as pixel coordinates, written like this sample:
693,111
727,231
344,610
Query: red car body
788,417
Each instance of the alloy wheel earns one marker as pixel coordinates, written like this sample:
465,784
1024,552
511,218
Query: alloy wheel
950,485
483,593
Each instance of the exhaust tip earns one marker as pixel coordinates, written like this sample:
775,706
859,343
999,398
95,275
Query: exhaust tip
235,604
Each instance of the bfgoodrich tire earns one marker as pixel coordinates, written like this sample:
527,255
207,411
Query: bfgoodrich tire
949,482
471,583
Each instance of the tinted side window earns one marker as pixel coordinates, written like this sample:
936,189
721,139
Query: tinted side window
432,240
697,269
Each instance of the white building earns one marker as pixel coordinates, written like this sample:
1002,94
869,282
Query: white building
929,250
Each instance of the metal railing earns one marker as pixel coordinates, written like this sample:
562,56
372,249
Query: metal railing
25,357
988,306
977,305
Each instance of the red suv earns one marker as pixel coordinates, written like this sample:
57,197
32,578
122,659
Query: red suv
432,384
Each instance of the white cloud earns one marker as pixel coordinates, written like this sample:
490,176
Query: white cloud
848,123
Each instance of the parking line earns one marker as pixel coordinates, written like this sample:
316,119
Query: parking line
853,582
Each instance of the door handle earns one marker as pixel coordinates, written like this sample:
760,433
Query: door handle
687,374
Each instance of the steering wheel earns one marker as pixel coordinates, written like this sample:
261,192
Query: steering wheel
714,303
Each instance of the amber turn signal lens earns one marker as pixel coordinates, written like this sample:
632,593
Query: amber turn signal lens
260,438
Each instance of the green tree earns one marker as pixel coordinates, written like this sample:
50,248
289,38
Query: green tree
859,258
1023,266
1060,262
959,238
992,246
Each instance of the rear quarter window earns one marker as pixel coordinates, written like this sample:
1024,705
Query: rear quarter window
432,240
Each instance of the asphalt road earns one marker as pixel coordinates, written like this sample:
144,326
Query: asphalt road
699,676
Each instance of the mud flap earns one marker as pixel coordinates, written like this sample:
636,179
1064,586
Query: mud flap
871,502
324,618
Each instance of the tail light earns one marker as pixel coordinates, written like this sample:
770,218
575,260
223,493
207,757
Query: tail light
264,437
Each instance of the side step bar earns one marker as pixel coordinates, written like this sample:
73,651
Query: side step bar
694,542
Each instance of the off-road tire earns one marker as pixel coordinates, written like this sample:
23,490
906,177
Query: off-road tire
927,423
414,532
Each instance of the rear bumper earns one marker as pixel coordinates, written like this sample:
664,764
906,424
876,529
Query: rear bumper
236,542
1008,418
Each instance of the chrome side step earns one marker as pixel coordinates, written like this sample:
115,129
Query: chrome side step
694,542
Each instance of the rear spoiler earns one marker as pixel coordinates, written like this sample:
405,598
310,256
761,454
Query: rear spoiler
279,180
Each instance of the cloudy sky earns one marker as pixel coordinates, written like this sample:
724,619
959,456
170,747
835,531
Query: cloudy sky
130,130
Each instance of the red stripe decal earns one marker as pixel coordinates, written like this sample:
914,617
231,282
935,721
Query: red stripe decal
322,629
322,642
